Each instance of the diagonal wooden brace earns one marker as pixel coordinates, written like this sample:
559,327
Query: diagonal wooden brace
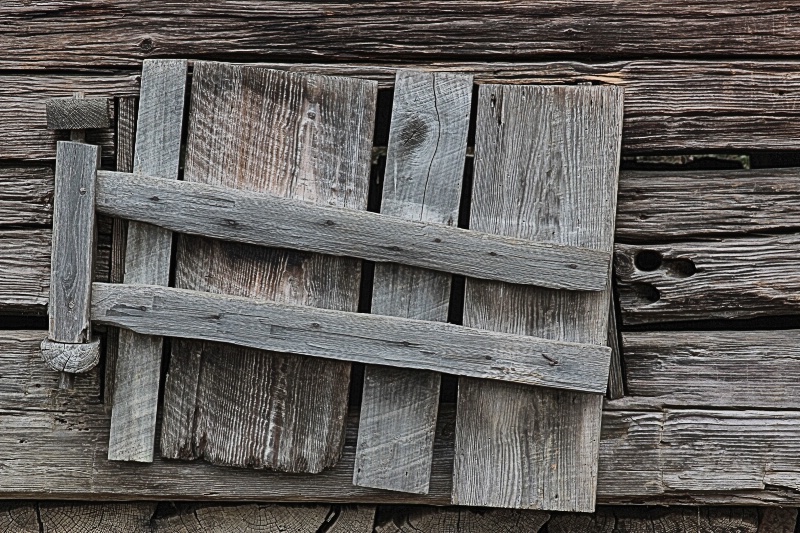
69,346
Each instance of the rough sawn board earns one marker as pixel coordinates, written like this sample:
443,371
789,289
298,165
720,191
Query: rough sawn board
546,166
300,136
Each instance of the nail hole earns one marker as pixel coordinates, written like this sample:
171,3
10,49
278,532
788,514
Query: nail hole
646,292
648,260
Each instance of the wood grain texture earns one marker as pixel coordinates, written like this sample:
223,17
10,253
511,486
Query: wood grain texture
737,369
422,182
116,33
126,140
233,215
777,520
721,278
447,520
19,517
147,260
635,519
25,270
78,113
354,337
25,135
74,358
303,137
696,205
26,196
545,158
74,241
69,517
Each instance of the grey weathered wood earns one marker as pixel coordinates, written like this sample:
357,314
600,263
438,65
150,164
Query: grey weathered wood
147,260
25,270
239,216
303,137
546,163
126,140
424,170
437,520
74,235
78,113
635,519
72,358
693,205
19,517
26,196
777,520
616,376
721,278
347,336
742,369
70,517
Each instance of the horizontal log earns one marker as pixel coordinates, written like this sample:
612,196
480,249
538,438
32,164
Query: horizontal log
267,220
25,135
117,33
736,369
78,113
26,196
692,205
362,338
729,278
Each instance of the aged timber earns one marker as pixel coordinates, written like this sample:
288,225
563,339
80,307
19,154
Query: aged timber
346,336
266,220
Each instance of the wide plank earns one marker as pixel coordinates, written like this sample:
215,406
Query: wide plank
303,137
239,216
697,205
25,270
116,33
546,164
147,260
710,279
346,336
424,170
26,196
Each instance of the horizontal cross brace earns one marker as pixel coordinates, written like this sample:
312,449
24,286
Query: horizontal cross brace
361,338
265,220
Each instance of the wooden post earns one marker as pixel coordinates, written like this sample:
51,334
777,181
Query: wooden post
69,346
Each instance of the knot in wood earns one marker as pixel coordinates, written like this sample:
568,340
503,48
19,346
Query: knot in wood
72,358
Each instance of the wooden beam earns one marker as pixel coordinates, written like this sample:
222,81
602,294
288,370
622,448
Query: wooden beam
234,215
112,33
546,164
424,170
147,260
346,336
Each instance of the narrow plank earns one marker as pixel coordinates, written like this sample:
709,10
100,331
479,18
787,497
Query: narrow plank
74,234
721,278
69,517
26,196
304,137
78,113
741,369
616,375
545,158
238,216
424,170
437,520
147,260
117,34
126,140
373,339
695,205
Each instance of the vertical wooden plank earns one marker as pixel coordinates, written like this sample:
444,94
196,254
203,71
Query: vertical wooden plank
74,237
424,169
126,137
147,260
300,136
546,164
616,379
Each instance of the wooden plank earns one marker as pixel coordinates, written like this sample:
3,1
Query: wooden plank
727,278
737,369
616,375
233,215
25,135
546,457
126,140
78,113
147,260
304,137
26,196
354,337
24,270
695,205
74,235
113,33
424,170
437,520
